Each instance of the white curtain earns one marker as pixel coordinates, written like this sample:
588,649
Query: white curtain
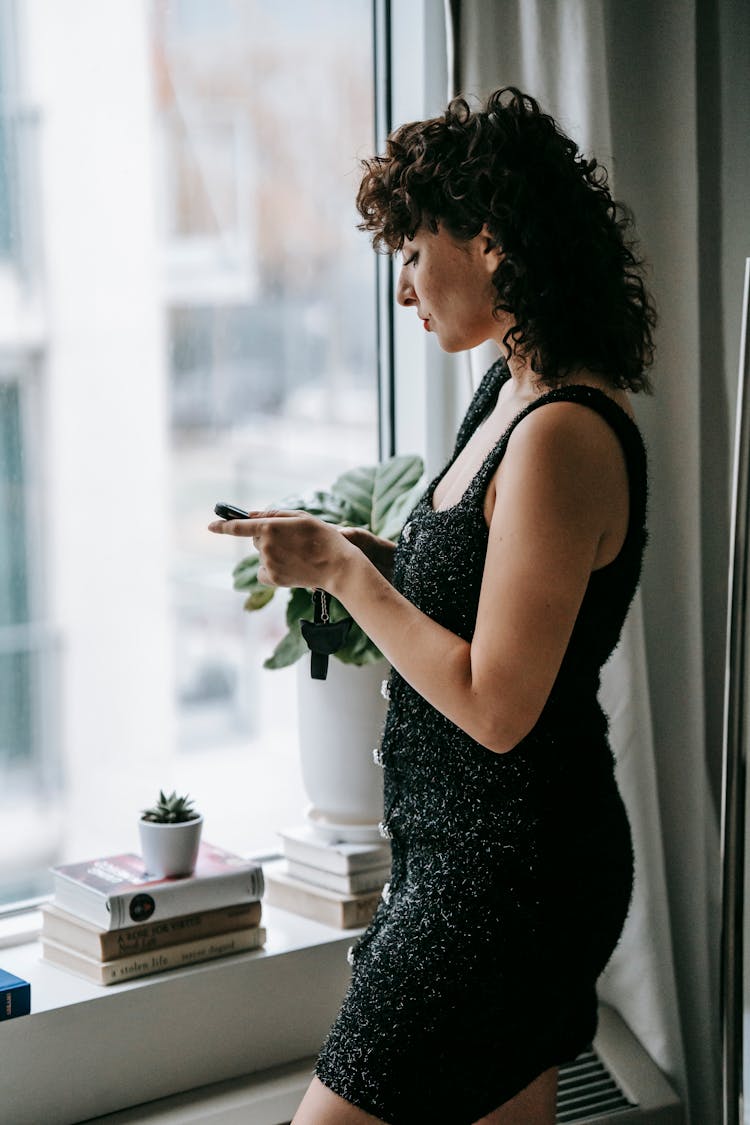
627,82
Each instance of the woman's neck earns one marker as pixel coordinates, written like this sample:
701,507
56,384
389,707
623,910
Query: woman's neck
526,383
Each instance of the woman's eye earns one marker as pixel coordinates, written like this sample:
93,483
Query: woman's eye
412,260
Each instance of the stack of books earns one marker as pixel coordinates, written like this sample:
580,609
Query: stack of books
339,884
111,921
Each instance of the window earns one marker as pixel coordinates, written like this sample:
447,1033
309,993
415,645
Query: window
7,162
208,335
29,654
18,140
15,678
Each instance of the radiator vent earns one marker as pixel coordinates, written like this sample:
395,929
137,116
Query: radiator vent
585,1089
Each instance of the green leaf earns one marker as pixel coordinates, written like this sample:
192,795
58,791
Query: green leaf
324,505
400,510
259,597
245,576
358,649
289,649
356,488
336,611
366,655
392,479
300,605
370,492
245,573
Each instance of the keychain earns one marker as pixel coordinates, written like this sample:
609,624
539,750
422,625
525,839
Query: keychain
323,636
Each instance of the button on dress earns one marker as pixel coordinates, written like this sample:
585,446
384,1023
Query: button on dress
511,873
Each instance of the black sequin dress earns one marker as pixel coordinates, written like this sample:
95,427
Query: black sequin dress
511,873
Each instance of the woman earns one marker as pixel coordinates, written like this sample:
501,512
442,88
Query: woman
511,852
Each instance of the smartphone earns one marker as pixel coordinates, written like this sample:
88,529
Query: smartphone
229,512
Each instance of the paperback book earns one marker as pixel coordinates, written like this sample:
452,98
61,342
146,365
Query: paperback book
156,961
355,883
108,945
304,846
342,911
117,891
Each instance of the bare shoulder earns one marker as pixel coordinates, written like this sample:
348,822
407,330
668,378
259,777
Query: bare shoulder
566,451
564,432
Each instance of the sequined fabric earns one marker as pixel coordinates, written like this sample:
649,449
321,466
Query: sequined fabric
511,873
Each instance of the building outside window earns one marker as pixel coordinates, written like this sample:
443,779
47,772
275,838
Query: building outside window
202,330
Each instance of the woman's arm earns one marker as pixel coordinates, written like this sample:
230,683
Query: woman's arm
557,487
559,482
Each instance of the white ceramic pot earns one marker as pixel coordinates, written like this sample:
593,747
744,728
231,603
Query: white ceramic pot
340,722
170,849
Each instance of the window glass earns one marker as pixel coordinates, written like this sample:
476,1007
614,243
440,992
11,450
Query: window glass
270,323
5,173
6,125
207,333
15,669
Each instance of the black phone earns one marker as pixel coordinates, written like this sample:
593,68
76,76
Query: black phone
230,512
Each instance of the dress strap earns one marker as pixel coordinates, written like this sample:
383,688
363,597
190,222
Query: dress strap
483,402
626,429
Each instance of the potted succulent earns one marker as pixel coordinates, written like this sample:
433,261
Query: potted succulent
341,717
170,836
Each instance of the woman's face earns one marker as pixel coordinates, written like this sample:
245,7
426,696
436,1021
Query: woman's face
449,283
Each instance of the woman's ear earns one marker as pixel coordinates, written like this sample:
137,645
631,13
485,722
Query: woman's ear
492,252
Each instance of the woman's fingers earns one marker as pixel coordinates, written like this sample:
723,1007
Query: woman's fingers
250,527
294,548
235,527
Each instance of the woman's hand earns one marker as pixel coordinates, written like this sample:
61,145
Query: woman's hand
295,549
378,551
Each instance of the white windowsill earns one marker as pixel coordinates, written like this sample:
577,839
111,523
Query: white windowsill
233,1040
85,1050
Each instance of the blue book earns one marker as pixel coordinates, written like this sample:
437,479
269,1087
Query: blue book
15,996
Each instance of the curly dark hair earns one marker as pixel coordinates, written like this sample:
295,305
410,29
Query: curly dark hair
570,276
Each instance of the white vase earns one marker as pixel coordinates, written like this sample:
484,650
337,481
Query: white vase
170,849
340,723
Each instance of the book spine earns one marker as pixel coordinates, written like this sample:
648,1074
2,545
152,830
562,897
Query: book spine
176,931
357,883
326,858
158,961
342,915
108,945
359,912
15,1000
175,898
189,953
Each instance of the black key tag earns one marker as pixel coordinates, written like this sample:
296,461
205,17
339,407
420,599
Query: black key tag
323,636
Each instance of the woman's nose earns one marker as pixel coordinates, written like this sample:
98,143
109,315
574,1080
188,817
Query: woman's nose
405,294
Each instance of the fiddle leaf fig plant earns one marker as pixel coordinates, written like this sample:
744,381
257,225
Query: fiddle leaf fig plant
377,498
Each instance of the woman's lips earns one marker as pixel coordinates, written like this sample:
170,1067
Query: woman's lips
426,324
